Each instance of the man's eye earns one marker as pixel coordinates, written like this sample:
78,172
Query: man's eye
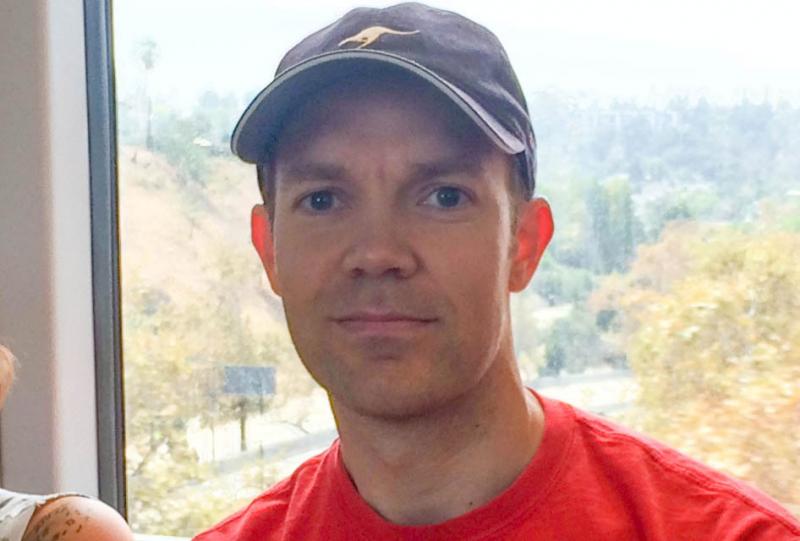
446,197
319,201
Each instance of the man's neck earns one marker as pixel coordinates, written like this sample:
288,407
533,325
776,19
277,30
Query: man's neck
431,469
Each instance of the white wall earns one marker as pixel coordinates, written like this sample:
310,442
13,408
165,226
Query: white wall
48,436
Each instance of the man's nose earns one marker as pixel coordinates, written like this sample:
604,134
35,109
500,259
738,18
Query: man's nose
379,247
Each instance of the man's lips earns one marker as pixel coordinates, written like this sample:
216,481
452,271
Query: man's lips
383,323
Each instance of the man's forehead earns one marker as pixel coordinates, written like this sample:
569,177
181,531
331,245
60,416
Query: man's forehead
299,169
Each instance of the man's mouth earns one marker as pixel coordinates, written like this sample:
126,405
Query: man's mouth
376,323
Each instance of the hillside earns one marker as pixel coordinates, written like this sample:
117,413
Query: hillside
186,240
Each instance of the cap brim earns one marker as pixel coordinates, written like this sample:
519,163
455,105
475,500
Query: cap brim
258,127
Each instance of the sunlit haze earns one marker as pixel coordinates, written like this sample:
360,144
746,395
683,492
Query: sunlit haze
617,49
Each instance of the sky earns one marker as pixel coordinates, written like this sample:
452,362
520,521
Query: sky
641,50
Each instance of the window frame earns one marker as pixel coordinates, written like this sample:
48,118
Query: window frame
100,94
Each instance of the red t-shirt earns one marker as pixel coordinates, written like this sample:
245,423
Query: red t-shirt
590,479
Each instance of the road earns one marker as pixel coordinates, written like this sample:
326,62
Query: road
286,446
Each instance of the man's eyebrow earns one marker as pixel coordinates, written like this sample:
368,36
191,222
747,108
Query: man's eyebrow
314,172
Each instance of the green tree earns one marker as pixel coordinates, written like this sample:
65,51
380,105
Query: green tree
612,224
559,284
176,136
572,344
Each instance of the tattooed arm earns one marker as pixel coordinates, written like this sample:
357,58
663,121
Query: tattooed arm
73,518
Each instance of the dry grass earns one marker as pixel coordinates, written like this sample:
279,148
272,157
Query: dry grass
191,241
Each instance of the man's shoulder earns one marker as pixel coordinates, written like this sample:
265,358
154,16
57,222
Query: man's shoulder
654,476
268,512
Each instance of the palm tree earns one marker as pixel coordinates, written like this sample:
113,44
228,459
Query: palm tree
148,54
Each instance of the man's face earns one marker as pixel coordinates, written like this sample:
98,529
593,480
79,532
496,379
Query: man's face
392,249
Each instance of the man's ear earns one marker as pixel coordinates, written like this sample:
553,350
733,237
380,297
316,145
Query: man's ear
261,235
534,231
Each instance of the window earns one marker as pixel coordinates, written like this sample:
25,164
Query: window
670,151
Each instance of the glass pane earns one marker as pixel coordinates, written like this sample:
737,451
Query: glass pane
667,300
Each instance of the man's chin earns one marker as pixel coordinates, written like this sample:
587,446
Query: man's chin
394,405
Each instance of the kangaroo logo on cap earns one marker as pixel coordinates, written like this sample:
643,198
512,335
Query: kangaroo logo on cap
368,36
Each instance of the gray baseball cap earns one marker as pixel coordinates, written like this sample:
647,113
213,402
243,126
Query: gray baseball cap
461,58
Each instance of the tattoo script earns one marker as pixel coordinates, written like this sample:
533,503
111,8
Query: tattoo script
57,524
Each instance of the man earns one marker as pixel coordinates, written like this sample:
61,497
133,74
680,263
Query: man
397,163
